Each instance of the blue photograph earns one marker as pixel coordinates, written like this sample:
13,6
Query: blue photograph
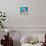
23,10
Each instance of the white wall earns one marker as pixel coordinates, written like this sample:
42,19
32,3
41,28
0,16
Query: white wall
37,19
39,13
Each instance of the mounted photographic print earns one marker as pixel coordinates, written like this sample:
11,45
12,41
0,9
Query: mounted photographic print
23,10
